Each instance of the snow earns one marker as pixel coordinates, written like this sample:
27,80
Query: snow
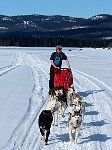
2,28
29,23
76,27
24,93
47,19
5,60
107,38
7,19
98,17
93,62
14,100
26,22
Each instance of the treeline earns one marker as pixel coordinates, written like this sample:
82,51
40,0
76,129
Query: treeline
52,41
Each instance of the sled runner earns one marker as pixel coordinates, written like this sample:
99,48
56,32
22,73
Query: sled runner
63,78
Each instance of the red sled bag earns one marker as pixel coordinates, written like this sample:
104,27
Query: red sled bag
63,78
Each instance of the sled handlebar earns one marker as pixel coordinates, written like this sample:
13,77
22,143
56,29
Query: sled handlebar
65,69
58,70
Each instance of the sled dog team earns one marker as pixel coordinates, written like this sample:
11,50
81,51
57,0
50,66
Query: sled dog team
59,101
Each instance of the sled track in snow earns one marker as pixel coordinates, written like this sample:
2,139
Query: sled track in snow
4,70
96,125
95,131
25,135
99,95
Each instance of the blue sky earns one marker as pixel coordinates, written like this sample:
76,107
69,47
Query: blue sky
75,8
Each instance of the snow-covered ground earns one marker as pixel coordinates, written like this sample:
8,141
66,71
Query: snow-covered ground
24,75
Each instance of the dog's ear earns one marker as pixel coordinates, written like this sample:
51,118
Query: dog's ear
69,114
85,103
74,97
72,86
57,100
62,88
57,88
80,115
80,102
81,97
52,90
75,112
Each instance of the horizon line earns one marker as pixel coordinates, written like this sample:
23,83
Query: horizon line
52,15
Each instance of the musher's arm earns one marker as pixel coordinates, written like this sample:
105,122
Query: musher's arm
68,64
52,63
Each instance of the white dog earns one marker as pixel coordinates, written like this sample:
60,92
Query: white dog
74,124
53,105
70,94
60,94
79,105
56,107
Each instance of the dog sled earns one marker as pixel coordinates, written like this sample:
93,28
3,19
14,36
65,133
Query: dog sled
63,78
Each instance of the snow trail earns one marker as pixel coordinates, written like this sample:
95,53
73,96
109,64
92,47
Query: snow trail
95,132
28,126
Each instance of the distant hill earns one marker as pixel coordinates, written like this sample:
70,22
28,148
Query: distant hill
99,26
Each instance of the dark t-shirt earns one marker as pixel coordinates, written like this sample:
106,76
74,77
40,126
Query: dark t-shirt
57,58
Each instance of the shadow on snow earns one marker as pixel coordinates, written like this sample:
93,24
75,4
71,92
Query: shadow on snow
96,137
86,93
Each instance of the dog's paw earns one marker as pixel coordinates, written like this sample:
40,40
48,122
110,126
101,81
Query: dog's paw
75,142
43,138
46,143
56,125
71,140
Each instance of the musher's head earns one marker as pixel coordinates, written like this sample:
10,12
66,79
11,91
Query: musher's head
58,49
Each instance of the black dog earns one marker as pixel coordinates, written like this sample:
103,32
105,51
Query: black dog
45,120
